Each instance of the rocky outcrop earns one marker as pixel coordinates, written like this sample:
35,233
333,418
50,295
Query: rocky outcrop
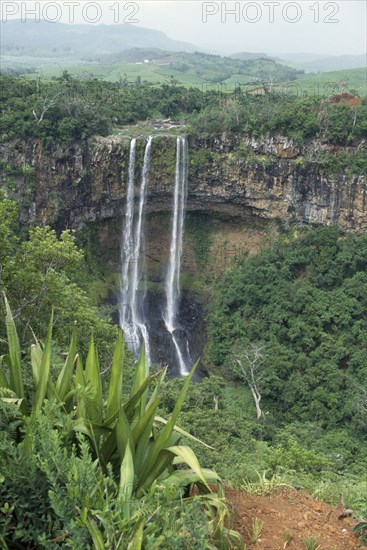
270,179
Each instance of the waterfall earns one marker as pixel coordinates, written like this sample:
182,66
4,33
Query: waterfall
127,252
133,319
132,316
172,284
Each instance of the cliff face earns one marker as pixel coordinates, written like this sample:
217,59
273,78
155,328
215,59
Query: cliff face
269,179
238,192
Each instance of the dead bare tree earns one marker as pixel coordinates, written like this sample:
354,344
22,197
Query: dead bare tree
46,103
249,365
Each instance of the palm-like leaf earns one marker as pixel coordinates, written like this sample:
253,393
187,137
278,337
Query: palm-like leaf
14,358
44,373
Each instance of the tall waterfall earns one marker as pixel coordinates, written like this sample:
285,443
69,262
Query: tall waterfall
172,284
127,249
132,316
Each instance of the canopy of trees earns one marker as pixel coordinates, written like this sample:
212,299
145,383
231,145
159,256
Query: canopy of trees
67,109
306,298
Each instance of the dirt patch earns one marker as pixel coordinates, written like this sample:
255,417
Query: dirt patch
291,515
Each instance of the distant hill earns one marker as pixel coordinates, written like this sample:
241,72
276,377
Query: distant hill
156,66
46,39
320,63
251,55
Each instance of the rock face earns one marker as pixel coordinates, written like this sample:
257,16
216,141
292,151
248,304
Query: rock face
269,179
239,191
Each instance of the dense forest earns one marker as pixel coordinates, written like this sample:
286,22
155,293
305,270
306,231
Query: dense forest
66,109
90,451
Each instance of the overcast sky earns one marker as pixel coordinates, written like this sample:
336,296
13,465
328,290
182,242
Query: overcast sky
273,26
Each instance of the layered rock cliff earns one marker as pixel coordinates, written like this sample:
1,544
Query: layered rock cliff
269,179
239,192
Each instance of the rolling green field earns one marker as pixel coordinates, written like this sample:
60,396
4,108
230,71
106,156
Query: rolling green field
332,82
188,69
201,70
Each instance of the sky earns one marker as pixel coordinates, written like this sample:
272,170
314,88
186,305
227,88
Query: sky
273,26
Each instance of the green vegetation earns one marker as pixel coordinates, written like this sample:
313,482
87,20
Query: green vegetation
301,119
257,527
86,459
156,66
98,465
311,543
304,299
43,271
199,230
331,82
66,110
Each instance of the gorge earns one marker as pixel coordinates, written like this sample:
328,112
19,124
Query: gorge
240,194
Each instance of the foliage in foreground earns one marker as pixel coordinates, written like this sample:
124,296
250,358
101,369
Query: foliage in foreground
95,461
259,455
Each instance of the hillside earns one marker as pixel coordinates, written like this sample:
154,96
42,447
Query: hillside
329,83
60,40
322,63
157,66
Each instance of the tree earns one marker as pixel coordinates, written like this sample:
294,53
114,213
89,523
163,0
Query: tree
249,365
42,272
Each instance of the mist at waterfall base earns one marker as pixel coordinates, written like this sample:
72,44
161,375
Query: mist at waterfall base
136,310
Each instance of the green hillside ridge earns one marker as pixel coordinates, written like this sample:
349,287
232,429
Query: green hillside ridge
44,39
157,66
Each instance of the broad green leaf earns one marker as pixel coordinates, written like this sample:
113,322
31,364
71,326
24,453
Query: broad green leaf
89,429
115,389
157,388
36,360
141,375
183,478
161,463
108,448
187,456
142,433
184,433
63,384
145,421
173,418
163,437
127,480
96,534
173,439
94,404
44,372
123,433
15,381
134,401
80,381
136,542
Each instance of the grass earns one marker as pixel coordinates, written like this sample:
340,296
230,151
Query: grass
329,83
330,486
263,486
287,537
257,527
200,71
311,543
